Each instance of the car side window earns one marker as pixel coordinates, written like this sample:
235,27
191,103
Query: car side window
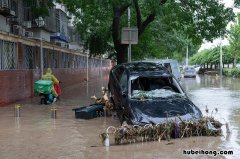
123,81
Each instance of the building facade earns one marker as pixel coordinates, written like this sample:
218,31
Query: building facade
25,40
16,17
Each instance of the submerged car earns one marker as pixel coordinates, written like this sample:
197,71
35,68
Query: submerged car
147,93
171,64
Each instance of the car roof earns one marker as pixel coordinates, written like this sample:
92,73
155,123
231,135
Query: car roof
145,68
189,67
160,60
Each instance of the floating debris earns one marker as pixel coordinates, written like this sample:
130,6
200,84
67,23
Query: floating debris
206,126
108,105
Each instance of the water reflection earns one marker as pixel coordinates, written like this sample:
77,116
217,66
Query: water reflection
17,124
223,94
208,81
235,121
67,137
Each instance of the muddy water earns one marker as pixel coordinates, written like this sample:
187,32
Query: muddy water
36,135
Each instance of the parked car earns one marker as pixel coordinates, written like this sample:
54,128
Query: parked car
171,65
146,93
189,71
197,68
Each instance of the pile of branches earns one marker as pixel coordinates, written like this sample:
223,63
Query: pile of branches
206,126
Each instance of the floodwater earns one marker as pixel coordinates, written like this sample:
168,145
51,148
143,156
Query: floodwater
35,135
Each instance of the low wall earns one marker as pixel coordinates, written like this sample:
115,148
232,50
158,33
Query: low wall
16,85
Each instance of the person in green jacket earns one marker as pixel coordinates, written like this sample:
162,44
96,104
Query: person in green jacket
49,76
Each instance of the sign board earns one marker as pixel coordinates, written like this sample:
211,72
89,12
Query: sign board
129,36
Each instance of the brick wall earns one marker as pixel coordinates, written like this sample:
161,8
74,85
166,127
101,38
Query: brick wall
17,85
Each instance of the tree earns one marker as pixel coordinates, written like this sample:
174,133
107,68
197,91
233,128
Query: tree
102,20
234,40
212,56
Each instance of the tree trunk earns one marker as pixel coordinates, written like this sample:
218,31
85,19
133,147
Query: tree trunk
121,49
122,54
118,11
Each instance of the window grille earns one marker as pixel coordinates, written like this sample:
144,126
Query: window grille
8,55
45,58
70,61
28,57
65,60
55,59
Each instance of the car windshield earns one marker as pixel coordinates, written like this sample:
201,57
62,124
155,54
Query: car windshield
189,69
154,87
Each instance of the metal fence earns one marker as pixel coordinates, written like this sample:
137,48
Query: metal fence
8,55
29,58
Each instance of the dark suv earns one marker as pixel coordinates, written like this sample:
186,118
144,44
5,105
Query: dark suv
146,93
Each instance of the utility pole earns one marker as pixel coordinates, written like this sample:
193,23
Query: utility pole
41,57
221,63
87,65
129,47
101,72
187,56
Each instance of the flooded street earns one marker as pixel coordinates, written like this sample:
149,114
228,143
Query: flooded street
35,135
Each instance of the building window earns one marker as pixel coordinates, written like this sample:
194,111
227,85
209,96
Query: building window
8,55
28,57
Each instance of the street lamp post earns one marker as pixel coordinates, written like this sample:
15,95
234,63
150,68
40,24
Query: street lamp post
129,47
41,57
87,66
187,57
221,63
101,72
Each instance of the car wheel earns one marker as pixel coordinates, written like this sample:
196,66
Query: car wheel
42,101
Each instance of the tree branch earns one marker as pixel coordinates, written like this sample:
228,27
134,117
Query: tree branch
149,19
142,25
139,17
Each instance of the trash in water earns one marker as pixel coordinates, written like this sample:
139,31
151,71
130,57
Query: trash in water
206,126
88,112
102,107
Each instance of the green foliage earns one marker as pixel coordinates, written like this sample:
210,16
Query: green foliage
235,72
234,40
226,72
166,27
212,56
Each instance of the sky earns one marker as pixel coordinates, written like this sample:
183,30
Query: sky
205,45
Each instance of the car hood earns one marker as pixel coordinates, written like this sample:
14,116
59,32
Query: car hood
159,110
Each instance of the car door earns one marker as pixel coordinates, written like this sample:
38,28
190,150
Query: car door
123,83
115,86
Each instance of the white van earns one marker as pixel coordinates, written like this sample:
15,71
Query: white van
170,64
